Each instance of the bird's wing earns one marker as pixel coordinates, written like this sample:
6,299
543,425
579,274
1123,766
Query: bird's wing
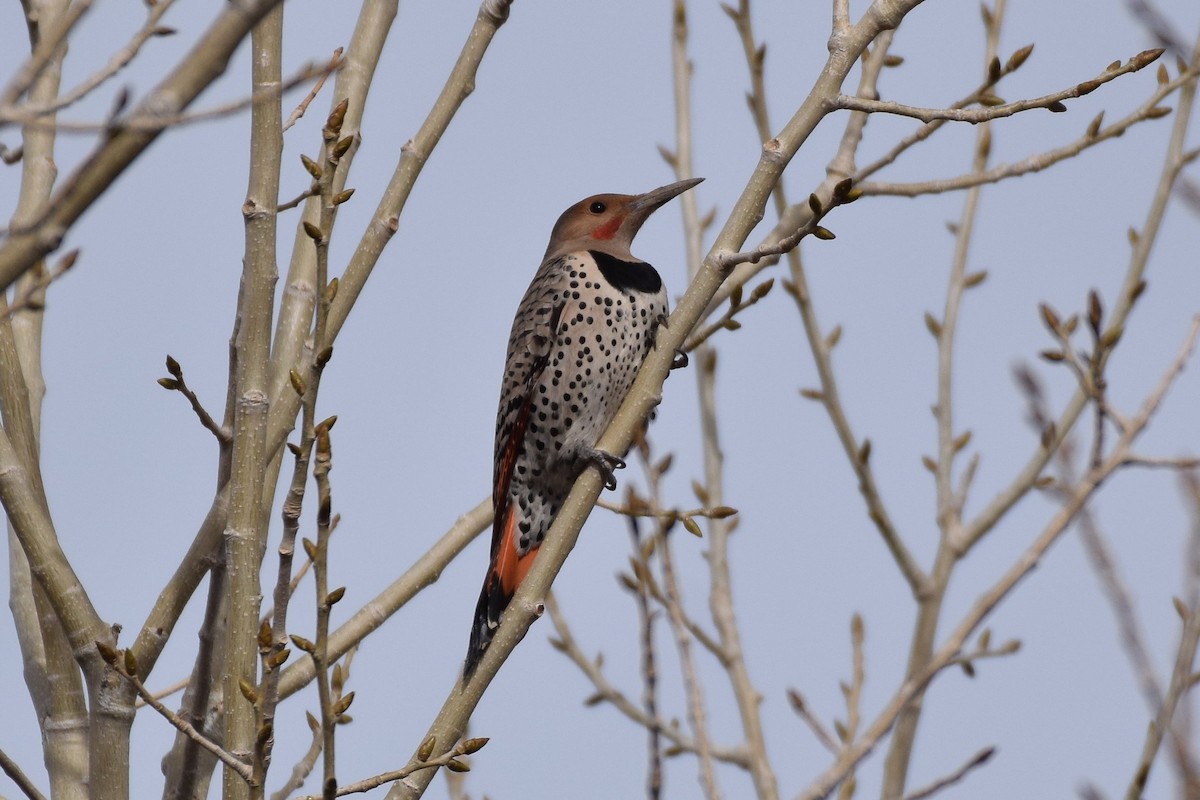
534,331
533,335
517,415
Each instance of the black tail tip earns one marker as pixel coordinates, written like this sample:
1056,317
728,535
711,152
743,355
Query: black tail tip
471,663
481,637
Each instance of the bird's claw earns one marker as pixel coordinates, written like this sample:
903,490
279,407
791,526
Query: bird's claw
605,464
681,359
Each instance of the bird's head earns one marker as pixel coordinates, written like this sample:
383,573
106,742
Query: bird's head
608,222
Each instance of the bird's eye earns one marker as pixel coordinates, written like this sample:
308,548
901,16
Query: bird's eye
597,207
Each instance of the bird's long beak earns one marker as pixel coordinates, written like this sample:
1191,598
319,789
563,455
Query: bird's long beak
644,204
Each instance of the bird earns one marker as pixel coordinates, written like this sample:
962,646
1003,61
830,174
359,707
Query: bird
581,331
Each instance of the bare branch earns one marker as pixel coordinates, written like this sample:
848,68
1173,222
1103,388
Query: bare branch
720,593
13,771
697,715
335,63
451,758
987,602
239,767
297,200
1150,109
1053,102
649,665
1131,289
304,766
178,384
604,690
50,38
31,294
1162,462
34,529
115,153
163,694
1158,25
1182,672
820,343
1119,598
21,116
977,760
30,112
422,574
823,734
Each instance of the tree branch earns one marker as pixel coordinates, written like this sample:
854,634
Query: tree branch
207,60
1052,102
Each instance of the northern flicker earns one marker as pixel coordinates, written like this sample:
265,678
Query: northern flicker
582,329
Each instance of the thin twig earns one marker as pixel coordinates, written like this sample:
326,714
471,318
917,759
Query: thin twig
698,633
991,598
325,599
241,768
143,123
13,771
449,758
654,770
1131,289
948,511
691,682
1052,102
673,602
31,294
646,580
977,760
823,734
275,620
1149,109
177,383
1182,673
1161,462
1119,599
726,321
47,49
304,766
335,63
720,595
182,767
297,200
162,694
853,696
821,344
118,61
1158,25
666,514
422,574
983,90
810,226
566,644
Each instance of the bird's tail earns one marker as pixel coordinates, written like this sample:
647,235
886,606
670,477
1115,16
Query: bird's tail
505,574
481,633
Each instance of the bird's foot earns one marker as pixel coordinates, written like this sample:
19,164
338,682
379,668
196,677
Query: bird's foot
605,464
681,359
659,322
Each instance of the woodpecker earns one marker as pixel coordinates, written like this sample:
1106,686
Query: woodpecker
582,330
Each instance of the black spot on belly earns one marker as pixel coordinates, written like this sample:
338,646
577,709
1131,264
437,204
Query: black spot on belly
637,276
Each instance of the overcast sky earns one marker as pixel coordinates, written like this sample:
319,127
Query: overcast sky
572,99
